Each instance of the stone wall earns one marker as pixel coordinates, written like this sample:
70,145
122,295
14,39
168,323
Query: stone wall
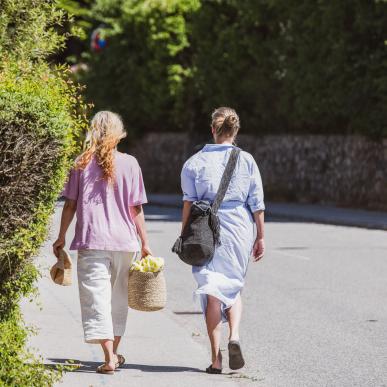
343,170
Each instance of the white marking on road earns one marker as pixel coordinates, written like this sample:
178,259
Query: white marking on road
302,257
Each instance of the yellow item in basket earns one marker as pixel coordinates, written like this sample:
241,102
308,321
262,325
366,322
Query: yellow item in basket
148,264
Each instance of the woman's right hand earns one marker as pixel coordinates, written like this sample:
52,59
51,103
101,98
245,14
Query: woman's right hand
58,245
145,250
258,249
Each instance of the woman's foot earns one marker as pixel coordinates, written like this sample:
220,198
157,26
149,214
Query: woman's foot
217,362
120,360
212,370
106,368
216,366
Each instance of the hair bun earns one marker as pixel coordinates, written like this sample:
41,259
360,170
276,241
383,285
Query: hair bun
230,121
225,121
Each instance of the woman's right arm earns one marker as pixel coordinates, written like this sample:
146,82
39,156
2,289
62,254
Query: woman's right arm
70,192
189,192
186,210
68,212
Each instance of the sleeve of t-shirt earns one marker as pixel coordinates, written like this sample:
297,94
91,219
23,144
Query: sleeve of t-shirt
137,194
188,184
71,187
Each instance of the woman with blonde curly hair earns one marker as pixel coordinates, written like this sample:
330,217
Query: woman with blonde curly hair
105,190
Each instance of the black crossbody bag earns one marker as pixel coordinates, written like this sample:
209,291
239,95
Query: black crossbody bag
196,245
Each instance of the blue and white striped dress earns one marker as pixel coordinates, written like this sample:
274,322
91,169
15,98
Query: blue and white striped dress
224,276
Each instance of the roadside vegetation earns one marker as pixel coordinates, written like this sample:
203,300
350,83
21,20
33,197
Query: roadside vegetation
41,115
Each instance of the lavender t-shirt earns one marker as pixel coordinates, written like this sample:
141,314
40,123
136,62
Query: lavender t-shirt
103,218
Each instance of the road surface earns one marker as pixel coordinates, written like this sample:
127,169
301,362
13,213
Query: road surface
315,315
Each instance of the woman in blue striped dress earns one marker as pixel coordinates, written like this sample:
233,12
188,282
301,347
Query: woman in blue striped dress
220,282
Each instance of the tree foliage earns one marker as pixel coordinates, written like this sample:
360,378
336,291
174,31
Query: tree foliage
143,71
286,66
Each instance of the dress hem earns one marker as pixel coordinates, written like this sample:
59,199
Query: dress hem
201,296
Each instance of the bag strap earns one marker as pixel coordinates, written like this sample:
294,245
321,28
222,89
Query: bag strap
226,178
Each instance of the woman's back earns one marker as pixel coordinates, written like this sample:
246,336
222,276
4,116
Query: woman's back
125,190
103,217
202,173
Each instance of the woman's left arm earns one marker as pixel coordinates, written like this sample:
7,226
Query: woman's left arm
137,198
259,244
137,214
68,212
257,206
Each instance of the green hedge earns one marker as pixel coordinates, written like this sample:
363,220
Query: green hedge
41,115
287,66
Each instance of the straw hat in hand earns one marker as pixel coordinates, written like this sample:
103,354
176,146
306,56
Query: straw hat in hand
61,272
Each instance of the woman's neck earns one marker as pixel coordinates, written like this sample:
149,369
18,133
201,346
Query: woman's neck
224,142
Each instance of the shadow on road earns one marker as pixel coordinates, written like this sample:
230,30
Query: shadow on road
91,366
173,214
167,213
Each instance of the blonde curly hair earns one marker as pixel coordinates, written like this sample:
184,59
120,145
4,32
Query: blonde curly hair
106,131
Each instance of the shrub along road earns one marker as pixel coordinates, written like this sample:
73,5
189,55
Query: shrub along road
315,315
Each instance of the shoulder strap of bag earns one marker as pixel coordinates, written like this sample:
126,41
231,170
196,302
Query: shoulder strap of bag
226,178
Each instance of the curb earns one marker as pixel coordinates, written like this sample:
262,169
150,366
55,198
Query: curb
303,212
333,222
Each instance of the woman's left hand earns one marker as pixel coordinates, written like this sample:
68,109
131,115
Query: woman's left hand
258,249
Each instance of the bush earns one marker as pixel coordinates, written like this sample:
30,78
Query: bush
36,126
287,66
40,117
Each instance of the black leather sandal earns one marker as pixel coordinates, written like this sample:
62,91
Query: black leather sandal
235,356
212,370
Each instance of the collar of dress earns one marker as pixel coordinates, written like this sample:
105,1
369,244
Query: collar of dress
212,146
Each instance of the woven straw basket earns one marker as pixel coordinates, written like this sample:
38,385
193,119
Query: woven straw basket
147,291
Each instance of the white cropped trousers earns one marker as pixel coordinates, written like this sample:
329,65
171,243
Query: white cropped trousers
103,292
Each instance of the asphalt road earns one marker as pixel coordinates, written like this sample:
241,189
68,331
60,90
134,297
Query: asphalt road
315,310
315,315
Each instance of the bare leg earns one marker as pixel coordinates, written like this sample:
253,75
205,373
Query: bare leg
214,329
234,315
116,343
107,346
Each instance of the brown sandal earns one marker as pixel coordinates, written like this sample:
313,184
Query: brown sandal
120,361
102,370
